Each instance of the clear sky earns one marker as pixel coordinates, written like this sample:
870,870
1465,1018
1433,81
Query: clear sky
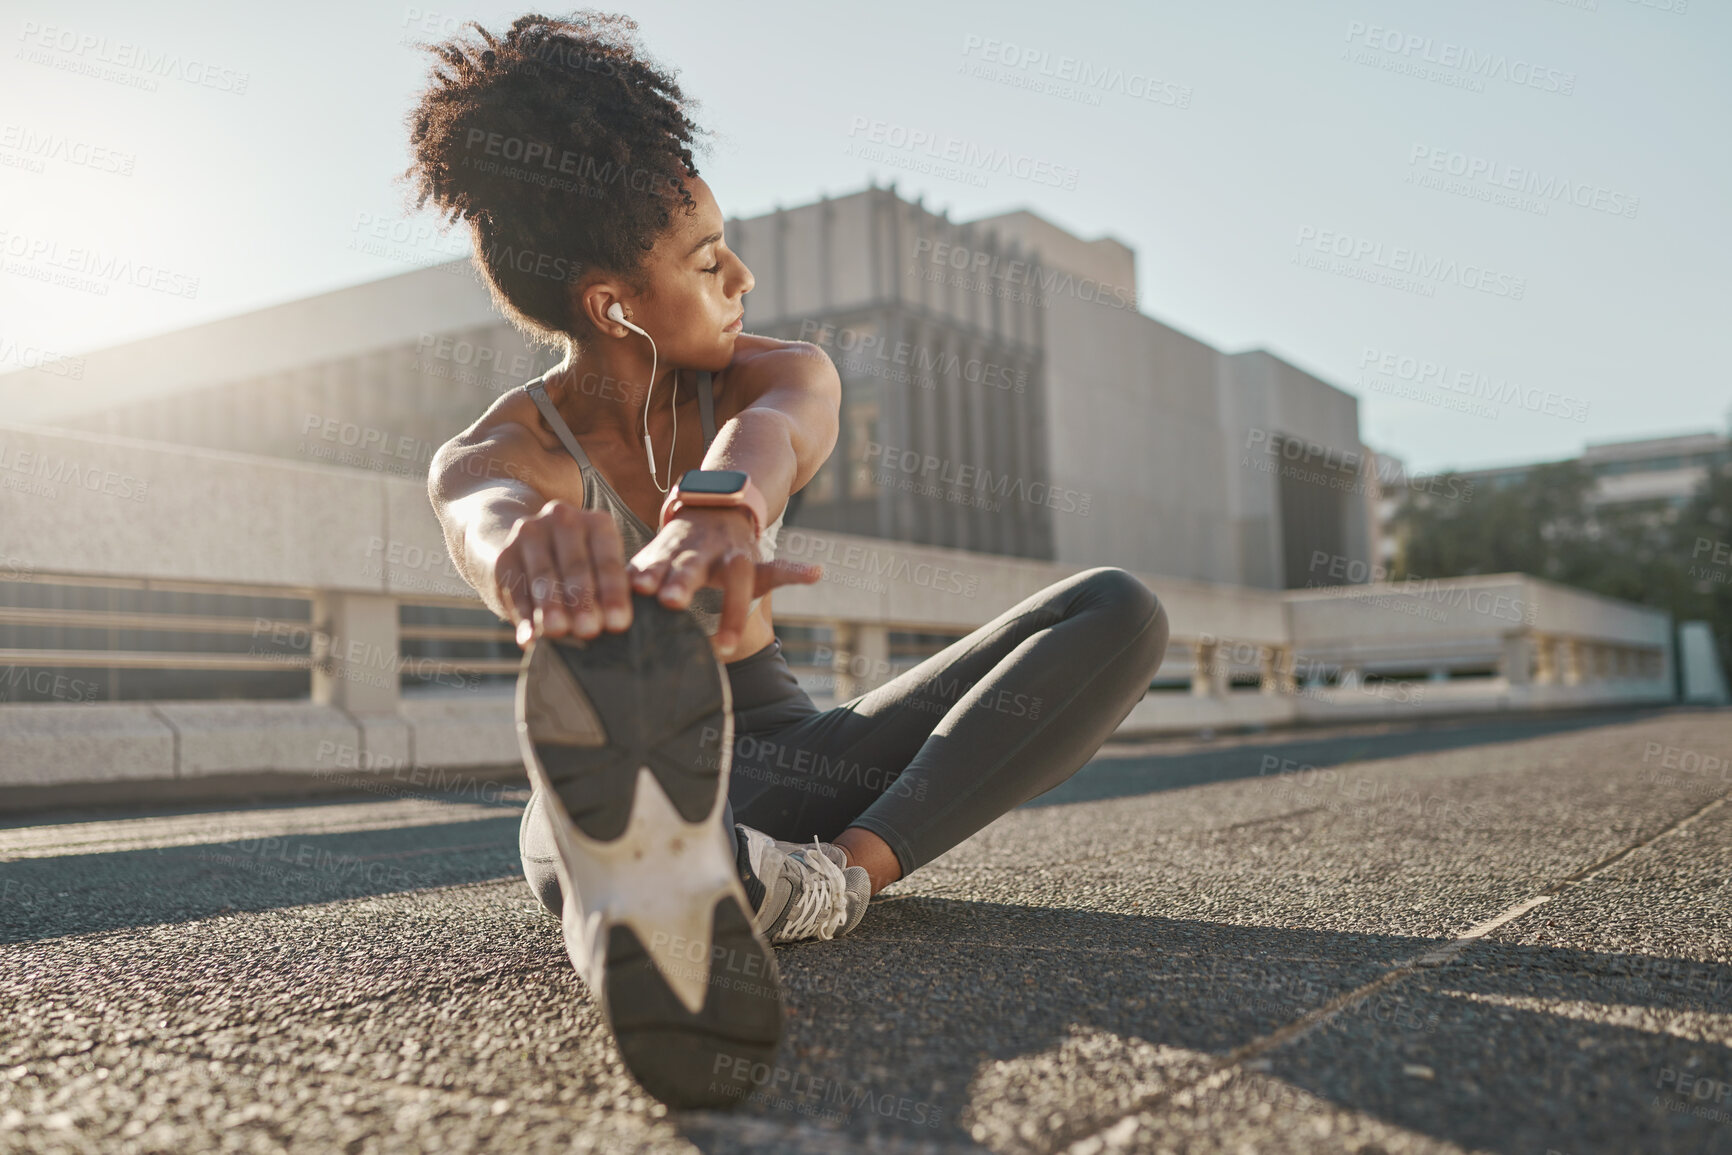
1503,224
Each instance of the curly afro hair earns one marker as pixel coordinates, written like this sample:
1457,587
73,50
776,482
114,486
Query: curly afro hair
564,148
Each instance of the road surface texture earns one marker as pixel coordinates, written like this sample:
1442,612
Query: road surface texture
1495,935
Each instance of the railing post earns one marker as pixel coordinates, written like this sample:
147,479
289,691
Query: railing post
1203,655
1545,660
1220,682
1516,661
355,652
1572,663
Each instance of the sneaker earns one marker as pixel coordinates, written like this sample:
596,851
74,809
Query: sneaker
629,738
829,850
800,891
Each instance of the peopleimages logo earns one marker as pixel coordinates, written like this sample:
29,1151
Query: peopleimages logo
44,471
913,464
587,170
1479,386
1047,282
36,357
1471,62
44,146
88,50
970,156
1074,74
1409,263
1497,176
865,346
89,268
886,564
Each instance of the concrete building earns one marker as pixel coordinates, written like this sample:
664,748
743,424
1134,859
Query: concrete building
238,511
1002,394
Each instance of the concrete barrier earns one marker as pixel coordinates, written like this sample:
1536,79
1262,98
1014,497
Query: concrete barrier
84,507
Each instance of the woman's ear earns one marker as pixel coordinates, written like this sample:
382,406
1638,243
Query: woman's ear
589,303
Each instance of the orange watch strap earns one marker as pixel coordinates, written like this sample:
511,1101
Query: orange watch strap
748,498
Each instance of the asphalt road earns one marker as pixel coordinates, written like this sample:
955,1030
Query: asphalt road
1502,936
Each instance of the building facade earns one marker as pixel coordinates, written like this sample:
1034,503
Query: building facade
1002,393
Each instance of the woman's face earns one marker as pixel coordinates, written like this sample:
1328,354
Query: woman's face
694,301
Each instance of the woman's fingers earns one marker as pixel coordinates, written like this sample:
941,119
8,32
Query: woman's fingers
607,560
685,576
738,573
575,593
782,572
539,578
645,577
513,586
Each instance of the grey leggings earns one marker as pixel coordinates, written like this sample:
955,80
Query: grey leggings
942,749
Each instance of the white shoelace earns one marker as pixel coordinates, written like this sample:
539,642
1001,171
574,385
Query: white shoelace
822,906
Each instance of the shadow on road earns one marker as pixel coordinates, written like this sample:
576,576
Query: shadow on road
1119,775
91,893
939,1017
934,1007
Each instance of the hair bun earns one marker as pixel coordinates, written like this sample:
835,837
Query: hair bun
563,147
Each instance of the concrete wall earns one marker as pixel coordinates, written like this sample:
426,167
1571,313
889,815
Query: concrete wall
1106,260
1123,413
118,507
89,505
331,326
1132,422
1703,677
912,587
1260,399
387,410
856,276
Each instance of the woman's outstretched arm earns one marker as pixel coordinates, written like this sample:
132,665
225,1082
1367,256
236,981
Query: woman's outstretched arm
779,438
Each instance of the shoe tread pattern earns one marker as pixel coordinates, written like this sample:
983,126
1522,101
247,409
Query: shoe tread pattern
675,1054
595,711
656,694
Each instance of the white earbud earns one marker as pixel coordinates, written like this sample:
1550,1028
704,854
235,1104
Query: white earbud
616,312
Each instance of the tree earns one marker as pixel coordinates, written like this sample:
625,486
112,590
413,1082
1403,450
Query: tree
1655,554
1537,526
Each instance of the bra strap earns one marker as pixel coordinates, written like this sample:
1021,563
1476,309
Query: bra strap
538,394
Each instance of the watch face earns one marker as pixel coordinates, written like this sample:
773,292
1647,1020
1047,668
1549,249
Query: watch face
713,481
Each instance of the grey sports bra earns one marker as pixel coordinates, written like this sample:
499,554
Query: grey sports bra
706,604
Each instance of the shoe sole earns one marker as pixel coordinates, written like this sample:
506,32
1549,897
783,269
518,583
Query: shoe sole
629,736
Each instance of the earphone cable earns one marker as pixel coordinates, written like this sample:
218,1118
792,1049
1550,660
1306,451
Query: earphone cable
648,446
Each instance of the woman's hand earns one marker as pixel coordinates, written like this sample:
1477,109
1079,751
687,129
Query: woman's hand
712,547
562,572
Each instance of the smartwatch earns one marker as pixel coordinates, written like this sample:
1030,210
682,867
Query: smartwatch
716,489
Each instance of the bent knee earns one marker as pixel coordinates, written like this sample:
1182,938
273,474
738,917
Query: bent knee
1124,592
1136,605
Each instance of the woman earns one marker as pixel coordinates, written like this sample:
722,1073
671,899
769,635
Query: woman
691,802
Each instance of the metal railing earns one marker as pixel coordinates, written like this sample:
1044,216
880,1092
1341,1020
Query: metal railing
171,640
